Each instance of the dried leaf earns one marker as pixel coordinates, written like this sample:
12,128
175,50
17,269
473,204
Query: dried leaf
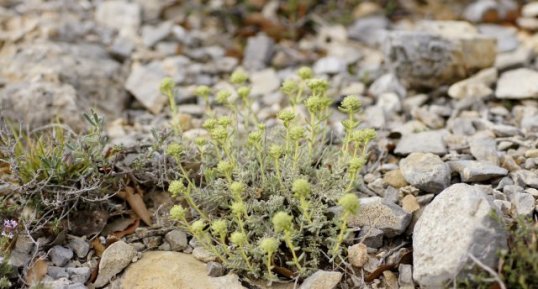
98,247
118,224
127,231
36,272
137,204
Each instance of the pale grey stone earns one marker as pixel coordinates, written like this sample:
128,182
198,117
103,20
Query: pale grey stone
120,15
425,171
369,30
322,280
517,84
215,269
425,142
80,245
144,82
153,34
80,274
476,171
484,149
57,272
60,255
441,253
115,258
177,240
378,213
258,52
523,202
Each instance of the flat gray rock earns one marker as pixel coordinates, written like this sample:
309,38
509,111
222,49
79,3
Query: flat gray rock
378,213
422,142
476,171
456,224
517,84
426,171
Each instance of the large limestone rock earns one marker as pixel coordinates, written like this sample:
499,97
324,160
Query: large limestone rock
456,224
172,270
438,52
517,84
115,258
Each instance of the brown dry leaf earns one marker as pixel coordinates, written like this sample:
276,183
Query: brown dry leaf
98,247
118,224
127,231
36,272
137,204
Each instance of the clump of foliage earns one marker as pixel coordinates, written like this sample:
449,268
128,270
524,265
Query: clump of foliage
517,267
270,199
53,168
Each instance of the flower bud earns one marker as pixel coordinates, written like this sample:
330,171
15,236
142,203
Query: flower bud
223,96
176,187
238,238
301,188
202,91
305,73
350,104
282,222
177,213
174,149
167,86
198,226
289,87
219,227
275,151
269,245
350,203
238,77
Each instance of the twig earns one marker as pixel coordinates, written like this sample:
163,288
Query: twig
489,270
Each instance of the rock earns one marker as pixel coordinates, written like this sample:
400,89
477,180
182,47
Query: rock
49,80
385,84
57,272
530,10
524,203
375,117
115,258
369,30
410,204
144,82
60,255
405,276
438,52
62,283
215,269
80,274
120,15
264,82
203,255
357,255
476,171
389,102
153,34
528,23
122,47
440,253
79,245
371,237
424,142
525,178
521,56
395,178
378,213
169,270
77,286
329,65
425,171
177,240
469,88
506,36
258,52
322,280
484,148
517,84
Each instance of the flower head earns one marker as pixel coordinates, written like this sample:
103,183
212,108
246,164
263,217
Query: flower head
167,86
238,238
198,226
178,213
301,188
318,86
177,187
255,138
269,245
219,227
289,87
224,121
297,133
225,167
202,91
219,134
275,151
350,203
223,96
286,117
305,73
350,104
243,92
356,164
238,208
282,222
210,124
238,77
174,149
237,188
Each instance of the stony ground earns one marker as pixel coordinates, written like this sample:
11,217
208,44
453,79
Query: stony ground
455,105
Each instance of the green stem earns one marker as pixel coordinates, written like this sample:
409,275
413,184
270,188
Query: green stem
287,239
341,234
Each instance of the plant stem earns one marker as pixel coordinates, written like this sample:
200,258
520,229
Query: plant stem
287,239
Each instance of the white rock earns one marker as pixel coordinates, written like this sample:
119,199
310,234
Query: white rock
264,82
390,102
357,255
426,142
258,52
115,258
476,171
120,15
177,240
60,255
153,34
521,56
457,223
530,10
322,280
378,213
468,88
144,82
523,202
329,65
517,84
426,171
